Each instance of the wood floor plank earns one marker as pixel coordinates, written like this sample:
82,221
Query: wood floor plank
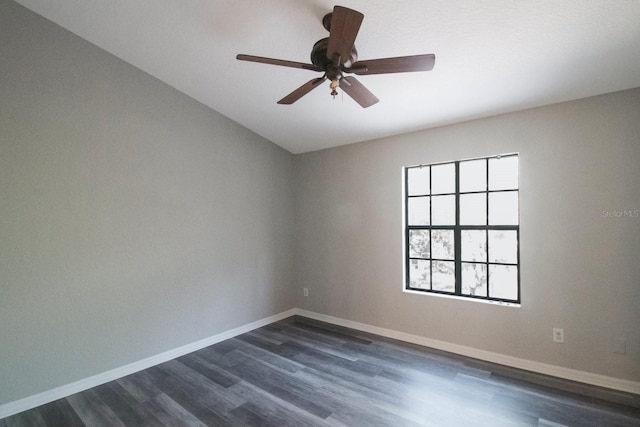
337,348
303,372
286,350
367,399
292,333
274,337
193,393
197,384
351,402
140,386
268,357
246,417
415,378
124,406
202,408
274,410
347,378
170,413
206,400
333,331
560,412
209,370
92,410
26,419
385,355
60,413
279,384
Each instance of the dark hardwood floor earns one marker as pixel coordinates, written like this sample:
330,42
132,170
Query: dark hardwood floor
301,372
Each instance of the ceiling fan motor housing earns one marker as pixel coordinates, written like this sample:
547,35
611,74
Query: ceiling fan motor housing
319,56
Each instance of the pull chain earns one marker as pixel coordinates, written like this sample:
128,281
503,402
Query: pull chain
334,84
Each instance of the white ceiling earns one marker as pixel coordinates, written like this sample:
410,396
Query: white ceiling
492,56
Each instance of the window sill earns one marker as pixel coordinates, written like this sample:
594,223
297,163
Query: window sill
459,298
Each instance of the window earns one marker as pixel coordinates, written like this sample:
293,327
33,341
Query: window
462,228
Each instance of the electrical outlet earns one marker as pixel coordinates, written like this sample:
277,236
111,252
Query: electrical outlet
305,292
558,335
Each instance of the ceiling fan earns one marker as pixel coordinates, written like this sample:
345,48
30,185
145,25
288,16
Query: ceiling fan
336,55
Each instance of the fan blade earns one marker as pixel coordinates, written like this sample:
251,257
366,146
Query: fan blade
401,64
345,24
301,91
358,92
280,62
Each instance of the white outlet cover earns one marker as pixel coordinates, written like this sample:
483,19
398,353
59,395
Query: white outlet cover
558,335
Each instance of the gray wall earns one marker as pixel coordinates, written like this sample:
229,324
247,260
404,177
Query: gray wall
579,268
133,220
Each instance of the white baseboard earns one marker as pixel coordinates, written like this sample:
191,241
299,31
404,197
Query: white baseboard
48,396
514,362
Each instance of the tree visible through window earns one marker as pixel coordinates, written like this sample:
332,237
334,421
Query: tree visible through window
462,228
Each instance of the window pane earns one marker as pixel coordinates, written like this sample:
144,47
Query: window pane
418,181
473,209
419,243
503,173
442,244
503,208
473,175
474,245
503,246
444,278
503,281
474,279
443,178
419,273
418,210
443,210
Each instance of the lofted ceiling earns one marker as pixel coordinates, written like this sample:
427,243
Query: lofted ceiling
492,56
